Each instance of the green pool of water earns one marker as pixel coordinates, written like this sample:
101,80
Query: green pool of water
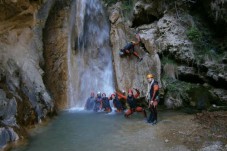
86,131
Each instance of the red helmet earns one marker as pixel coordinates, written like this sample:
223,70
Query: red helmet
113,95
130,91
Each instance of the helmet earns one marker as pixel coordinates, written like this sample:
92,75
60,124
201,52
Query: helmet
104,94
121,53
99,94
133,42
130,91
150,76
123,91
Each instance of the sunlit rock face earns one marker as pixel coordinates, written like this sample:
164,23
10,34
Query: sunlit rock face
129,72
55,39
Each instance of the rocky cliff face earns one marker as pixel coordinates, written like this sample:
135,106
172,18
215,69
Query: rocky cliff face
187,54
24,97
176,34
129,72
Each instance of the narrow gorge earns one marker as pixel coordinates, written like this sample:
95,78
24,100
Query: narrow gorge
54,53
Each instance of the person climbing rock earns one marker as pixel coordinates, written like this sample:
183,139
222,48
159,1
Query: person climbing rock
106,103
153,98
98,102
90,103
131,101
129,49
117,104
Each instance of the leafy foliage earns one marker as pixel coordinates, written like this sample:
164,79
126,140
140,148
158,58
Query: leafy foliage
110,2
126,6
205,51
194,34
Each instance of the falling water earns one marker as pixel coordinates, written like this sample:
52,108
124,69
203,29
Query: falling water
89,55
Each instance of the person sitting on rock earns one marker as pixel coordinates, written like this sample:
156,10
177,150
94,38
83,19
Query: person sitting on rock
90,103
131,101
129,49
106,103
117,104
98,102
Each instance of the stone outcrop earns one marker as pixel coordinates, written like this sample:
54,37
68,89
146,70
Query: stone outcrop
129,72
146,13
24,99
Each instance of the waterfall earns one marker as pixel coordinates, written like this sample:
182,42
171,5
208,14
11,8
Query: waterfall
89,52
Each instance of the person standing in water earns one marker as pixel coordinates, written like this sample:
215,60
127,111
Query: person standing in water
90,103
98,102
106,103
153,98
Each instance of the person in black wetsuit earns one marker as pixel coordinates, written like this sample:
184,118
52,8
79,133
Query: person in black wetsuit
129,48
117,104
106,103
98,102
90,102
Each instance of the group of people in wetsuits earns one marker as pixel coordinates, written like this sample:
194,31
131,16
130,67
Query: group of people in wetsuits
103,103
128,103
120,102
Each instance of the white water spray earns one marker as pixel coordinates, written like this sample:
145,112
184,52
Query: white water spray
89,56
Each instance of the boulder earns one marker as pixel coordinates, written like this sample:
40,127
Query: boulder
22,88
172,39
221,94
7,135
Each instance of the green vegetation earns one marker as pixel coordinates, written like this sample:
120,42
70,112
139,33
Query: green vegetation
166,60
126,7
194,34
204,50
177,89
110,2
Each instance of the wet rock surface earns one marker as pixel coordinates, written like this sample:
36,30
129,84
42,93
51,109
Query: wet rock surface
24,97
7,135
55,52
